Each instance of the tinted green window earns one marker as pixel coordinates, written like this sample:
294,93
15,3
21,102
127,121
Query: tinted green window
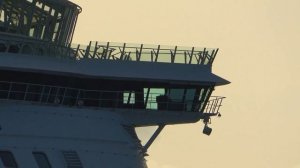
154,93
129,97
176,94
189,98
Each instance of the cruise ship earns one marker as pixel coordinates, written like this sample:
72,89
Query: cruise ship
64,105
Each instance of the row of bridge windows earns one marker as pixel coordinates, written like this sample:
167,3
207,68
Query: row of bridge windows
107,93
169,99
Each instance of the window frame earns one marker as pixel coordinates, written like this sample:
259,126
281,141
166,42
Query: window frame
15,164
34,153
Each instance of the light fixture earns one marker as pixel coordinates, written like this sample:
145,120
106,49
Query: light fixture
207,130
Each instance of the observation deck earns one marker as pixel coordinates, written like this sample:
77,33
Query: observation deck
145,52
110,60
46,27
109,51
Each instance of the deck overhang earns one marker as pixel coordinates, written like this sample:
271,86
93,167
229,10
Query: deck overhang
128,70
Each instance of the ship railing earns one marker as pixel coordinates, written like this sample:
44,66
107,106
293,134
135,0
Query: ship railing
74,97
213,105
145,52
19,44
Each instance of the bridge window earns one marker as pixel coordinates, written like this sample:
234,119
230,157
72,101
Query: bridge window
8,159
176,95
170,98
151,95
129,97
1,16
41,159
181,99
189,97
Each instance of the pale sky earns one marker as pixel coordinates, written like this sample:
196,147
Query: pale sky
259,53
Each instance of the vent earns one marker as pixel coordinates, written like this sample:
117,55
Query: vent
72,159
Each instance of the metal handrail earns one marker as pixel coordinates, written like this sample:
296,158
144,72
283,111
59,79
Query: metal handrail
148,53
67,96
213,104
108,51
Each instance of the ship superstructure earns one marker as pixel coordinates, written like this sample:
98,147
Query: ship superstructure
67,105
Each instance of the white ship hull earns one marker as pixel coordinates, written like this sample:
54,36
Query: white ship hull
97,136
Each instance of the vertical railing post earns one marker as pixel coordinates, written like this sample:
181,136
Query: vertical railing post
87,51
76,53
185,56
157,53
213,105
139,53
9,90
203,57
56,100
26,90
50,89
95,50
220,104
106,51
123,52
63,98
214,56
211,57
77,97
191,56
217,104
42,93
173,55
206,108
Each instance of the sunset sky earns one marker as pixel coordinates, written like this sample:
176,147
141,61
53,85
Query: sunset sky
259,43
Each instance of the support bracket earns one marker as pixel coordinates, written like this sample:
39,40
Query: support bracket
153,137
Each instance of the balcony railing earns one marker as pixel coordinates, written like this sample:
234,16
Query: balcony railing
109,51
144,52
213,105
74,97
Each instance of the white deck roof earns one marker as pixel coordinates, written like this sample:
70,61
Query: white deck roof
130,70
